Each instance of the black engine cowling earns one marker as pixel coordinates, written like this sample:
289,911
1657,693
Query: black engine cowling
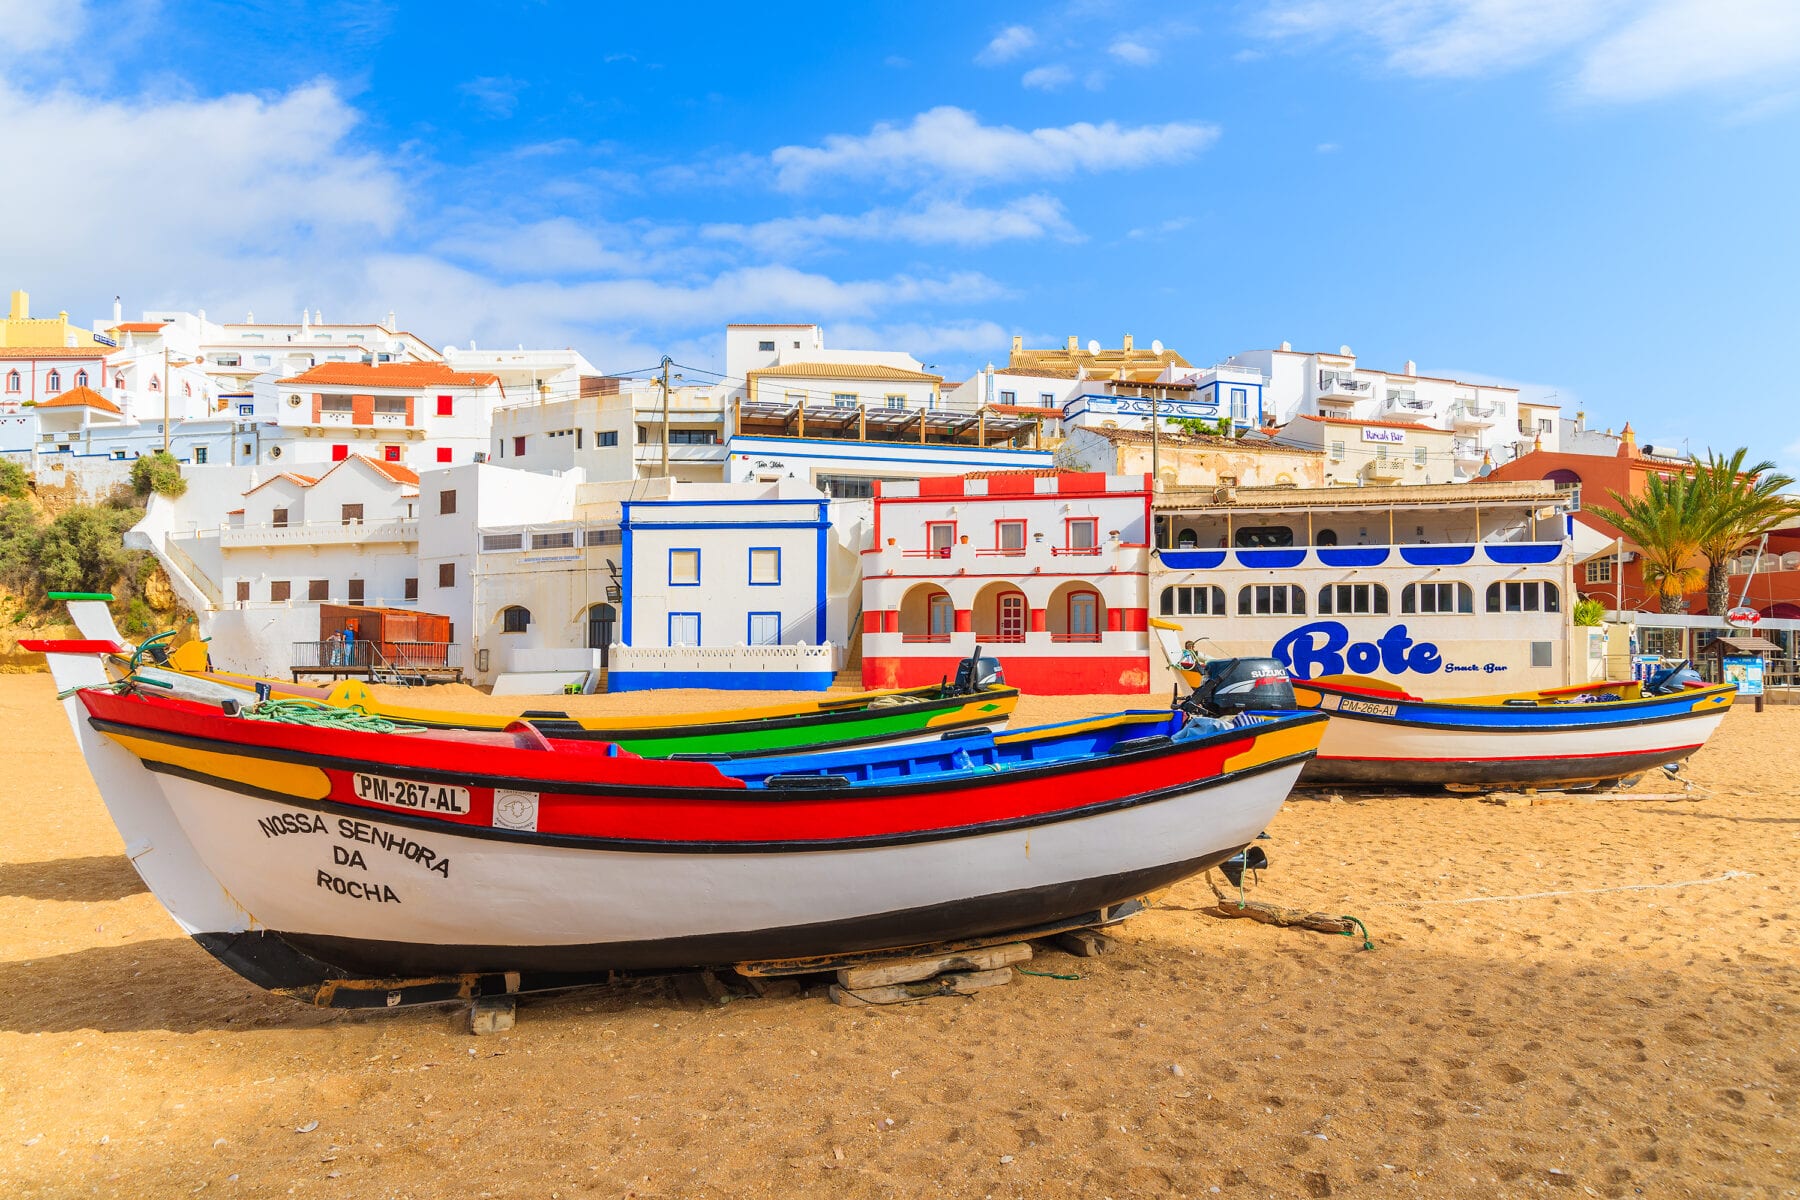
977,674
1234,685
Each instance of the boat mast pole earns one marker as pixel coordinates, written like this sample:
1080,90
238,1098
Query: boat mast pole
1756,562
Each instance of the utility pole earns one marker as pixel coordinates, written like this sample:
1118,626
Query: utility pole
666,362
1155,443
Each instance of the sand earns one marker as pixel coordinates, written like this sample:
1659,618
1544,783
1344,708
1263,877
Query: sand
1524,1027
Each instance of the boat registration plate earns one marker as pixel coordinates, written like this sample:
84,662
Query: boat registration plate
408,793
1373,708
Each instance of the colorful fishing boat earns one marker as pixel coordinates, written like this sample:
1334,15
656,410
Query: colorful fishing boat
351,867
977,699
1594,735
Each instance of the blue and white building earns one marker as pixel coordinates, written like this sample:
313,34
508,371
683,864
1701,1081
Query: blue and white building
1222,392
723,592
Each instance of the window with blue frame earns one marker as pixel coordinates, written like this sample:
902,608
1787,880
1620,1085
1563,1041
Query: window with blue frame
684,568
684,629
1240,404
765,566
765,629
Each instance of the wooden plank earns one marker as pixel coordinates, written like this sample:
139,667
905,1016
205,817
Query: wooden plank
1083,943
909,970
957,983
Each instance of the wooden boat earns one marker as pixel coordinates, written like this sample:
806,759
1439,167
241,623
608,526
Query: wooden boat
357,868
1382,736
902,715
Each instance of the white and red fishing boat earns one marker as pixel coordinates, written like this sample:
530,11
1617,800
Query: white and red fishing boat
352,867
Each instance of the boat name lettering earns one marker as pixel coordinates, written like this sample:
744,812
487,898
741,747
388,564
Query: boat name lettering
1325,648
356,889
290,822
1372,707
413,851
406,793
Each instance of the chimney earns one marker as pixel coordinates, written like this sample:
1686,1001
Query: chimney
1128,342
391,324
1018,344
1412,368
118,311
1288,346
1074,341
21,309
1628,447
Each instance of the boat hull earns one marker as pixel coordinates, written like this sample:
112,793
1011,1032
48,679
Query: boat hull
354,856
1387,742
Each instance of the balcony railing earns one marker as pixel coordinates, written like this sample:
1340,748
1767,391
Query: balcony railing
1343,385
1002,552
1075,637
934,552
320,533
371,656
1061,550
934,638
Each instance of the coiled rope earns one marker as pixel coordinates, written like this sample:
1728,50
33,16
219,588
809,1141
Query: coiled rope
319,715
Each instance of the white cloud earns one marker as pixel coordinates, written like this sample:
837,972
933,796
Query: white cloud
32,28
1007,45
1130,50
496,95
1622,50
556,246
925,341
1327,148
937,223
952,143
1172,225
1047,78
1680,45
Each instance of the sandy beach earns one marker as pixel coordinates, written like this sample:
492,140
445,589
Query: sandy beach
1573,998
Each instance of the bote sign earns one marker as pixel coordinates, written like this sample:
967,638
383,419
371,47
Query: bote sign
1383,435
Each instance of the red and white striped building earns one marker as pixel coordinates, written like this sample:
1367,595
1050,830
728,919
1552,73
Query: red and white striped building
1045,569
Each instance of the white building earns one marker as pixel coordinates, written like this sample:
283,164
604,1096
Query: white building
613,430
1487,420
424,415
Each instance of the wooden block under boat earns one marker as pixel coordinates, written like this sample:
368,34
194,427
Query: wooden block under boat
910,970
956,983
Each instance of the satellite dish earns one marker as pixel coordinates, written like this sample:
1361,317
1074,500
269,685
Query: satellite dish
1156,347
1093,347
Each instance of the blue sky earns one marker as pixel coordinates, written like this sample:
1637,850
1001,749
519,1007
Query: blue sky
1591,197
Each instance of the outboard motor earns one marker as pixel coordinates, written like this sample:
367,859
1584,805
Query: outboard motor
977,674
1677,678
1235,685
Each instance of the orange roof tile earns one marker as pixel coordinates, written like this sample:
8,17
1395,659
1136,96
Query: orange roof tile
1379,424
828,370
54,351
304,481
398,472
392,375
80,397
140,327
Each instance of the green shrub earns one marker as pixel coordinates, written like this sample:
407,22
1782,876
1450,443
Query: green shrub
83,550
15,483
1589,612
157,472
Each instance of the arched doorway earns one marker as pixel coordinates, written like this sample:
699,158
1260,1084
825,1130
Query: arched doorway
1075,613
927,614
602,620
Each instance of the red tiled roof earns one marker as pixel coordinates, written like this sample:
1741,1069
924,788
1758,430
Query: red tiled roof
1021,472
236,512
398,472
1378,424
54,351
140,327
304,481
393,375
80,397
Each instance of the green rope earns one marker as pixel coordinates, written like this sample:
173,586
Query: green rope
1367,944
137,656
1045,974
288,711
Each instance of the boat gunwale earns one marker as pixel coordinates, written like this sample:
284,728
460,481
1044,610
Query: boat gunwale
1450,710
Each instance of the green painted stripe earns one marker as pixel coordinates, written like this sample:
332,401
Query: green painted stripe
106,596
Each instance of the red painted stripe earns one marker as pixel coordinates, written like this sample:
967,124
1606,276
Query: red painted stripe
702,806
69,646
1505,758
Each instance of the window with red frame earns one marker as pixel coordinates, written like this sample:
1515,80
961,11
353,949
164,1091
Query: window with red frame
446,406
1084,533
443,454
391,453
340,453
518,446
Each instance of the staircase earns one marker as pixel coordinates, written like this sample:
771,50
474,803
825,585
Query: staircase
849,678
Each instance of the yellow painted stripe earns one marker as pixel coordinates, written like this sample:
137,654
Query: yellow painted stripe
292,779
1279,743
979,708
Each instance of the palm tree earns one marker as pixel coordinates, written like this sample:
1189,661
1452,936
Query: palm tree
1666,524
1741,503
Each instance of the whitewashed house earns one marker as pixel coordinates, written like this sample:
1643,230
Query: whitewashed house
1045,570
423,415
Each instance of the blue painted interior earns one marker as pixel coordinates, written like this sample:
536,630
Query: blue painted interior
1437,556
1351,556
